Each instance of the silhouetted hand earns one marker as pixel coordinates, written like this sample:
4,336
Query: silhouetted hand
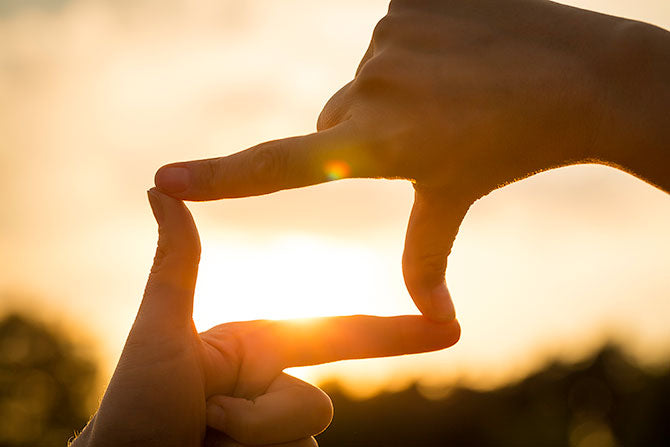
171,381
461,97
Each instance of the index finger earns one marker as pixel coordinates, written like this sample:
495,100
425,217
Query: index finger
268,347
330,339
365,336
268,167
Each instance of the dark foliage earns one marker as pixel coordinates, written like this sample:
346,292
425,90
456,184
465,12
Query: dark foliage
605,401
44,384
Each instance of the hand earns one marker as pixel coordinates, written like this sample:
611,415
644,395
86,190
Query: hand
171,381
462,97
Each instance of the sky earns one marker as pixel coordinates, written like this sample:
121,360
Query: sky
95,95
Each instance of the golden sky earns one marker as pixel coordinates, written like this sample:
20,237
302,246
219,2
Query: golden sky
95,95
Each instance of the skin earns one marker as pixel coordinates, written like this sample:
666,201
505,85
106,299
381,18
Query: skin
461,97
171,382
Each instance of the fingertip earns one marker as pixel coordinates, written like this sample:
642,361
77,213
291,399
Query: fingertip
454,333
177,233
434,336
156,205
173,179
169,210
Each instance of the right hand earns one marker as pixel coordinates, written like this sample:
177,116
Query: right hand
458,96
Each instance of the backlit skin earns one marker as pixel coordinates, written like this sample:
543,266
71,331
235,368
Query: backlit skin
462,97
337,169
171,382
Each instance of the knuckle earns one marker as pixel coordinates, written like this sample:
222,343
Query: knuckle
377,75
434,264
330,116
385,29
252,343
334,110
256,340
386,148
325,120
268,164
424,266
385,75
397,5
212,174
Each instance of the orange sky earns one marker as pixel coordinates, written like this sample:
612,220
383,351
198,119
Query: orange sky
97,95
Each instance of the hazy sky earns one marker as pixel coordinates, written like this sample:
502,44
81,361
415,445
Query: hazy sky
96,95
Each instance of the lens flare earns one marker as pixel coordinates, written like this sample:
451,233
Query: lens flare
336,169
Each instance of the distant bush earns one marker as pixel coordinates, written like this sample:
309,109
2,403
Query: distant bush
45,383
605,401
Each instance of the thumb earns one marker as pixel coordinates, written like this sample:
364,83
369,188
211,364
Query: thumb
432,228
168,297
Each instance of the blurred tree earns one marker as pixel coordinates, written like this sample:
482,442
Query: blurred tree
45,384
604,401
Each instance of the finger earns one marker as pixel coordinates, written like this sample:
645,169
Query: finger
276,165
332,339
215,438
335,110
168,297
292,343
289,410
268,347
432,228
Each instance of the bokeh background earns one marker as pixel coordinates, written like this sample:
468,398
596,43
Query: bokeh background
95,95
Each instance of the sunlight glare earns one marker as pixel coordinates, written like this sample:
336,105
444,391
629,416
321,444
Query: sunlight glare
293,276
337,169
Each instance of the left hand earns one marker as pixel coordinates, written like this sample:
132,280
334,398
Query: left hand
171,382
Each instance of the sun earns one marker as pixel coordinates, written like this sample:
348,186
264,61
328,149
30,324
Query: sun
292,276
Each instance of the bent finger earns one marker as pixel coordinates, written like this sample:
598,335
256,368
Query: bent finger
289,410
432,229
272,166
